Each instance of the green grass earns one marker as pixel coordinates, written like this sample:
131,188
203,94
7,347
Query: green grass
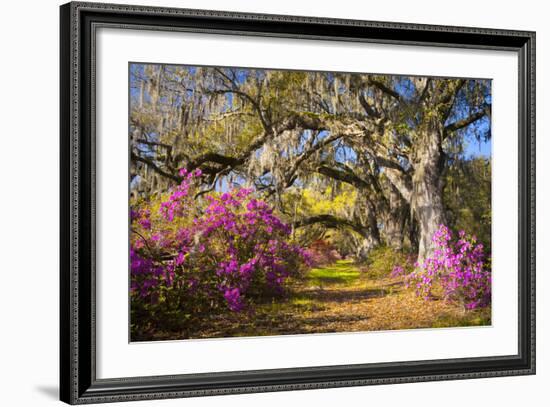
342,272
302,301
472,318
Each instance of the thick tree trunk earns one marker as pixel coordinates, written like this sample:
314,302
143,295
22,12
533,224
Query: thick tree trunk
372,239
394,226
427,196
372,223
413,232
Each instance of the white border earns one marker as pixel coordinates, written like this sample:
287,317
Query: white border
117,358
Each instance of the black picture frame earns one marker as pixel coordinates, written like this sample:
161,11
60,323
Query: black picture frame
78,382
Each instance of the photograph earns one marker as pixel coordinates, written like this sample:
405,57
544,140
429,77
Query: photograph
265,202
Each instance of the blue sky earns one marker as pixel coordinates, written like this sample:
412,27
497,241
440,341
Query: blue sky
476,148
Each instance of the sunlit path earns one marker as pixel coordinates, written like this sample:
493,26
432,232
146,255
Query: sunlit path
343,298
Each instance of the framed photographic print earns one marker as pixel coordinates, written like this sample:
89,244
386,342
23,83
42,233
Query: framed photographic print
279,203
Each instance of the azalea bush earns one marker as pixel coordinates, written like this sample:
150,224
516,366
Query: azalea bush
321,253
201,256
458,266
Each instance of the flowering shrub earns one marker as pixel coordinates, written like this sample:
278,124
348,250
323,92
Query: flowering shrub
185,260
321,253
458,266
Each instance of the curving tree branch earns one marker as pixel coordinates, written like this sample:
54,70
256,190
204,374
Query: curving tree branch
333,222
460,124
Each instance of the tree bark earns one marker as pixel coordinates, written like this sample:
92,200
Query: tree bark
372,240
396,217
427,196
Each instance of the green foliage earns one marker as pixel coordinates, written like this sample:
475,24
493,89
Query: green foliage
382,260
337,199
467,197
321,200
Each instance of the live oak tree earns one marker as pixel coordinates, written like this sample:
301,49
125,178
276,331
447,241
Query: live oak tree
417,123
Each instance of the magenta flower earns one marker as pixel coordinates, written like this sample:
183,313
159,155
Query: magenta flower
459,267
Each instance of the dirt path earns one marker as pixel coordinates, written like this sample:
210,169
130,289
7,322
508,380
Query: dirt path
341,298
